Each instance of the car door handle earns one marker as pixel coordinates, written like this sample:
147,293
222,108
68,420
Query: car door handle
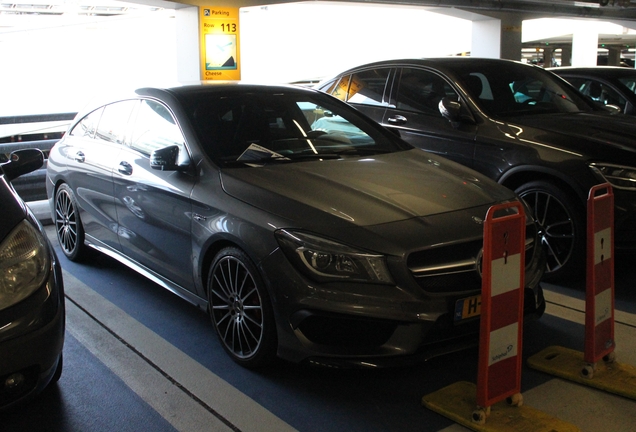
125,168
80,156
397,119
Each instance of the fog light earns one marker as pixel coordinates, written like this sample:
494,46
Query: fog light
14,381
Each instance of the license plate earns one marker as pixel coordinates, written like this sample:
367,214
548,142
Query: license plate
467,308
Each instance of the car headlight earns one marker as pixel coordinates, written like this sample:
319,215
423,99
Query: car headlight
24,264
621,177
328,261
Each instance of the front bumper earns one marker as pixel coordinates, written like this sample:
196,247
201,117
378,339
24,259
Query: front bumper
359,325
31,341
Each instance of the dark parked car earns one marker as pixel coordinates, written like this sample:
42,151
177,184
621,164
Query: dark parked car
608,85
304,229
32,314
517,124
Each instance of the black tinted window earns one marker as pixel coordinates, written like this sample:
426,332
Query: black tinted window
421,91
600,92
154,128
576,82
514,89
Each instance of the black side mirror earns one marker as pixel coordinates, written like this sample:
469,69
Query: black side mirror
454,112
22,162
165,159
450,110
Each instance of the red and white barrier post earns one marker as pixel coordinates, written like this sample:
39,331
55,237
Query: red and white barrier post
599,302
503,268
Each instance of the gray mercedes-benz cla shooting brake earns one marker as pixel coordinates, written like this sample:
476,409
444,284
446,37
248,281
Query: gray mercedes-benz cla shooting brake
306,230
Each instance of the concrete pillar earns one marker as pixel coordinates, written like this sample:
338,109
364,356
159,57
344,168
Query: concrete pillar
188,55
566,55
511,37
613,56
486,38
548,53
497,37
584,48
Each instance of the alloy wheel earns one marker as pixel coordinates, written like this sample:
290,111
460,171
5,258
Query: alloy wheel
236,307
66,222
556,227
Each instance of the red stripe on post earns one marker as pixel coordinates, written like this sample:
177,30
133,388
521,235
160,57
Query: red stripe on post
599,301
499,369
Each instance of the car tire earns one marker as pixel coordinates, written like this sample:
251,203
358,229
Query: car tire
58,370
240,309
68,226
560,220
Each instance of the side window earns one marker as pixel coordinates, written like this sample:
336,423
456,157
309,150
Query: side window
114,122
629,82
479,87
340,88
88,125
578,83
155,128
328,87
605,94
366,87
421,91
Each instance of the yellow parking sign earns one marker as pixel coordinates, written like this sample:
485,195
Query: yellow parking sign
220,53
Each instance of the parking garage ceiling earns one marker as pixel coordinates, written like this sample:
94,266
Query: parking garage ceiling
603,9
595,9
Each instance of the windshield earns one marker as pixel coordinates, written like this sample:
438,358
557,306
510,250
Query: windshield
248,129
511,90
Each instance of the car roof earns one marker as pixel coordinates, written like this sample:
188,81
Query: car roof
600,71
444,60
175,92
445,64
220,87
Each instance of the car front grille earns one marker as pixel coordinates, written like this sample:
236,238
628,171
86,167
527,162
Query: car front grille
456,267
448,268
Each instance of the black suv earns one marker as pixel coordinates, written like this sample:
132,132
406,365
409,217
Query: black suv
516,123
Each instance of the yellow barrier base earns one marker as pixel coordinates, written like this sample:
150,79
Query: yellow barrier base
458,401
566,363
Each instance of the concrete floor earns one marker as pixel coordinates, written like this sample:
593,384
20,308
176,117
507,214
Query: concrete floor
138,358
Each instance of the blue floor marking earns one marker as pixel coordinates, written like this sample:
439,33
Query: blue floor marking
88,397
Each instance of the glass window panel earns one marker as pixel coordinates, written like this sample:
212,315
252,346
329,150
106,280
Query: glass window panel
155,128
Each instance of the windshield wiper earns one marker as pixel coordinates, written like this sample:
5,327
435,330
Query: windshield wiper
299,157
307,156
280,159
361,151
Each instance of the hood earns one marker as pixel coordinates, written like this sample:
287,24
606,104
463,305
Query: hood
607,137
363,191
